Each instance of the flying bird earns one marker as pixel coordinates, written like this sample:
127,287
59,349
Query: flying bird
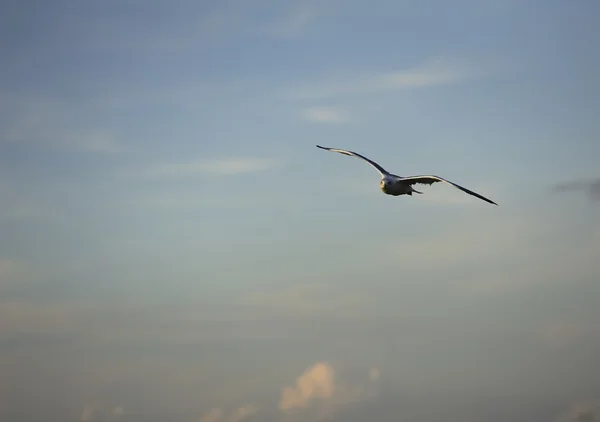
395,185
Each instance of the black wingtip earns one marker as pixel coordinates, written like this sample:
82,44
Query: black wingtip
470,192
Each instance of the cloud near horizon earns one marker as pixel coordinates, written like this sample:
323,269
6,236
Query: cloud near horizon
317,382
316,394
318,388
238,415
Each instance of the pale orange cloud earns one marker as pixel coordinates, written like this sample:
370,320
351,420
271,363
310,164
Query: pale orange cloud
317,382
317,393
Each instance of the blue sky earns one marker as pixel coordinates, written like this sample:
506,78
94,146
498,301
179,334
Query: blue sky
172,236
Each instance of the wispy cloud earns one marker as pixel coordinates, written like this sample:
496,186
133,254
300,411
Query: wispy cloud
326,114
435,72
221,166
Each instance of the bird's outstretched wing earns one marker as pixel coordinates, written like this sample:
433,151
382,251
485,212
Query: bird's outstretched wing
380,169
429,179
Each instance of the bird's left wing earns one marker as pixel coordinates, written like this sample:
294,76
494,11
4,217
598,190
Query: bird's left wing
380,169
430,179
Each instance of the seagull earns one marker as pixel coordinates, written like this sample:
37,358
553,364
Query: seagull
394,185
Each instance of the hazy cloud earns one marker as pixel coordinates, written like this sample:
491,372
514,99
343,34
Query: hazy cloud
590,186
491,270
223,166
307,301
50,122
507,230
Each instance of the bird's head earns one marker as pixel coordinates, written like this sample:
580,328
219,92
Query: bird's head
383,183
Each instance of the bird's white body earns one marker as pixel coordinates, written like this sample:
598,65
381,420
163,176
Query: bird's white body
395,185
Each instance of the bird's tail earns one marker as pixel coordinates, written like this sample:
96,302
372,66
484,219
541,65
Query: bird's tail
416,191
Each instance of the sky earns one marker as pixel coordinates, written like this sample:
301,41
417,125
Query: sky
175,247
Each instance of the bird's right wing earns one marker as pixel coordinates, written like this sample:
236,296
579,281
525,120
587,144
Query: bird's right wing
380,169
429,179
